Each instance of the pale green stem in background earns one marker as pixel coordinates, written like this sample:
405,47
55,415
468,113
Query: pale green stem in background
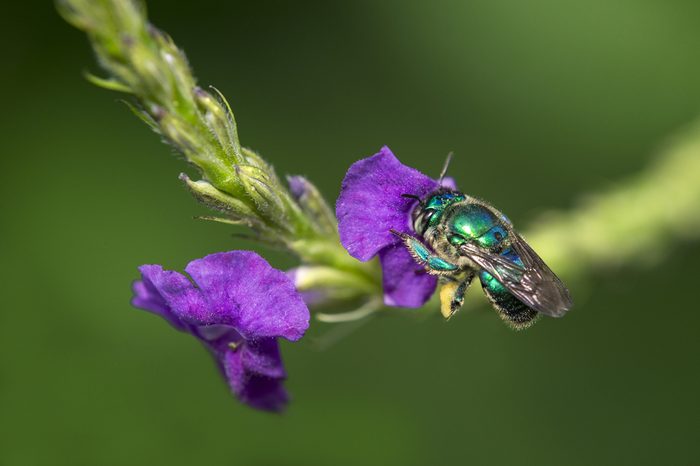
633,222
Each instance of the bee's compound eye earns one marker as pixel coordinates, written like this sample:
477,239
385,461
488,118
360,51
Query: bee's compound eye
456,240
422,219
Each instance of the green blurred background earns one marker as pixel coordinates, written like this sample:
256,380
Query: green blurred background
541,100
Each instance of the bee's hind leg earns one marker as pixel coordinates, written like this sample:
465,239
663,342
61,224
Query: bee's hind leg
452,293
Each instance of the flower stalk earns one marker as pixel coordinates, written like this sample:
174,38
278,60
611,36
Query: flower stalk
144,62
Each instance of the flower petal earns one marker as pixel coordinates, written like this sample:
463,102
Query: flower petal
168,294
449,183
370,202
244,291
406,284
146,297
249,385
217,337
263,357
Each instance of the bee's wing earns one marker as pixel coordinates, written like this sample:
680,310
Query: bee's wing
533,283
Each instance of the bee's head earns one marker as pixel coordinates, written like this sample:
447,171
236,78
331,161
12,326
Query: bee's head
429,210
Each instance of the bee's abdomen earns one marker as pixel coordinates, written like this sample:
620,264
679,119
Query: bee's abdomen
511,309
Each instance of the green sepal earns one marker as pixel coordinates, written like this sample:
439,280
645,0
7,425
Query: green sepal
211,197
106,83
143,116
262,191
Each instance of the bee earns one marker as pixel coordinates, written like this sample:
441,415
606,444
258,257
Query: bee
459,236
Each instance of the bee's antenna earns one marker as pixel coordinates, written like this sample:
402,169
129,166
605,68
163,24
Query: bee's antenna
445,166
413,196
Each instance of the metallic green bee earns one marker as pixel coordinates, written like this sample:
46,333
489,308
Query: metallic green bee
460,236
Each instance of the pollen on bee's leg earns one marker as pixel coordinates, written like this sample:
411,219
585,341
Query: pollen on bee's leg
447,293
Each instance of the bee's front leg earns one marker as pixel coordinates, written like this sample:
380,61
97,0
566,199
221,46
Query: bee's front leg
454,282
433,264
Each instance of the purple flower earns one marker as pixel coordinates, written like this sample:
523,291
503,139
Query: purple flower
237,305
369,206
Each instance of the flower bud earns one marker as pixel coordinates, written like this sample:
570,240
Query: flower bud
261,189
312,203
151,77
208,195
179,133
220,122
